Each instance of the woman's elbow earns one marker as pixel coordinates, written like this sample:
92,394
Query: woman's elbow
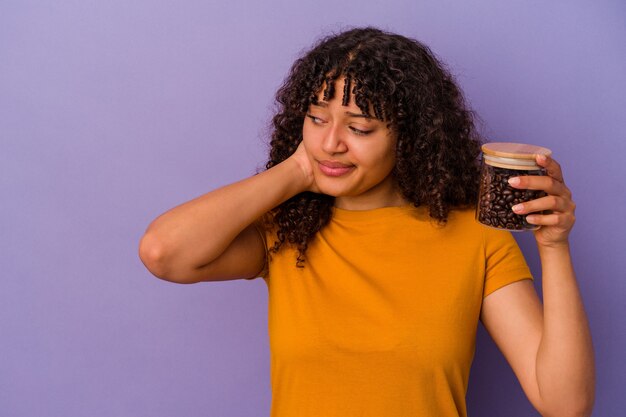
151,255
154,257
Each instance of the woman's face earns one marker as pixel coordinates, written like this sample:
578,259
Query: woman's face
352,154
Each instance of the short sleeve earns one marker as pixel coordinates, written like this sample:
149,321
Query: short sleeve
504,261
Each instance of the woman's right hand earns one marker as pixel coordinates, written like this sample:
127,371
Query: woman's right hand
302,159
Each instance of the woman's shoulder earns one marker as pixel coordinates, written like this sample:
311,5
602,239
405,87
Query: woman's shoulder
463,220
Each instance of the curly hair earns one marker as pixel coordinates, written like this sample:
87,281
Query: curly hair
408,88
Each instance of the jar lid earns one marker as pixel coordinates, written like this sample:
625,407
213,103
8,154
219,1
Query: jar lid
514,150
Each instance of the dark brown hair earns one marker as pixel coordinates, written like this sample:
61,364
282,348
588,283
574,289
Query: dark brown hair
437,146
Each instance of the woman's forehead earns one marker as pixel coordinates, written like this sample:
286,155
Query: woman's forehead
339,93
350,109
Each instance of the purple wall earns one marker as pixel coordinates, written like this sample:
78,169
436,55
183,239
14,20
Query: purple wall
113,112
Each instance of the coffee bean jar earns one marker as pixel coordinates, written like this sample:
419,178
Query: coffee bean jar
501,161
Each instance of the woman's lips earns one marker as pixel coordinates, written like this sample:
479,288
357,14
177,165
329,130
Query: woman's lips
334,169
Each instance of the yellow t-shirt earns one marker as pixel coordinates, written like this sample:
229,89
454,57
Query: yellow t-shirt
381,321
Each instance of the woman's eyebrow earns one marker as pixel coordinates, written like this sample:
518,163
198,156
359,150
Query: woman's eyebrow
363,115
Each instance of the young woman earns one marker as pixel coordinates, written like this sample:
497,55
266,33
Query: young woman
362,227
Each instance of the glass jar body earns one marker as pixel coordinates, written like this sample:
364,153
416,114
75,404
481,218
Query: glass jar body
496,197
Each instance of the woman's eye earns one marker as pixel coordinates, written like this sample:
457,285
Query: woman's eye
314,119
359,131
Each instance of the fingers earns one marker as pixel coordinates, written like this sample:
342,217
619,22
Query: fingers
552,183
554,213
554,209
550,210
551,203
563,220
553,168
540,182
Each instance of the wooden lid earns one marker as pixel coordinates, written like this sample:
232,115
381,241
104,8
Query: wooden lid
514,150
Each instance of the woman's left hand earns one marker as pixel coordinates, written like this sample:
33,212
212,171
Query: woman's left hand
559,218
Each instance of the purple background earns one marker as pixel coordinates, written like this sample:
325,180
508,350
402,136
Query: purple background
112,112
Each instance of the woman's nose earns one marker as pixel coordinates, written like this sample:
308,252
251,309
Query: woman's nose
333,141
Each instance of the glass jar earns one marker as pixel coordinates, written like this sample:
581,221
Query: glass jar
501,161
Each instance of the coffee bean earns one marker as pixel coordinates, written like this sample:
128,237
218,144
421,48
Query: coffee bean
497,197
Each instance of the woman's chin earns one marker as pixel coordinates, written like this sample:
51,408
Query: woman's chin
333,191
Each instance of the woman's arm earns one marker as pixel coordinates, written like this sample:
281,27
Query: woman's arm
549,348
212,237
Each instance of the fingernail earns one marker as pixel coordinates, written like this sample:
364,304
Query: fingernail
542,158
518,207
514,181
